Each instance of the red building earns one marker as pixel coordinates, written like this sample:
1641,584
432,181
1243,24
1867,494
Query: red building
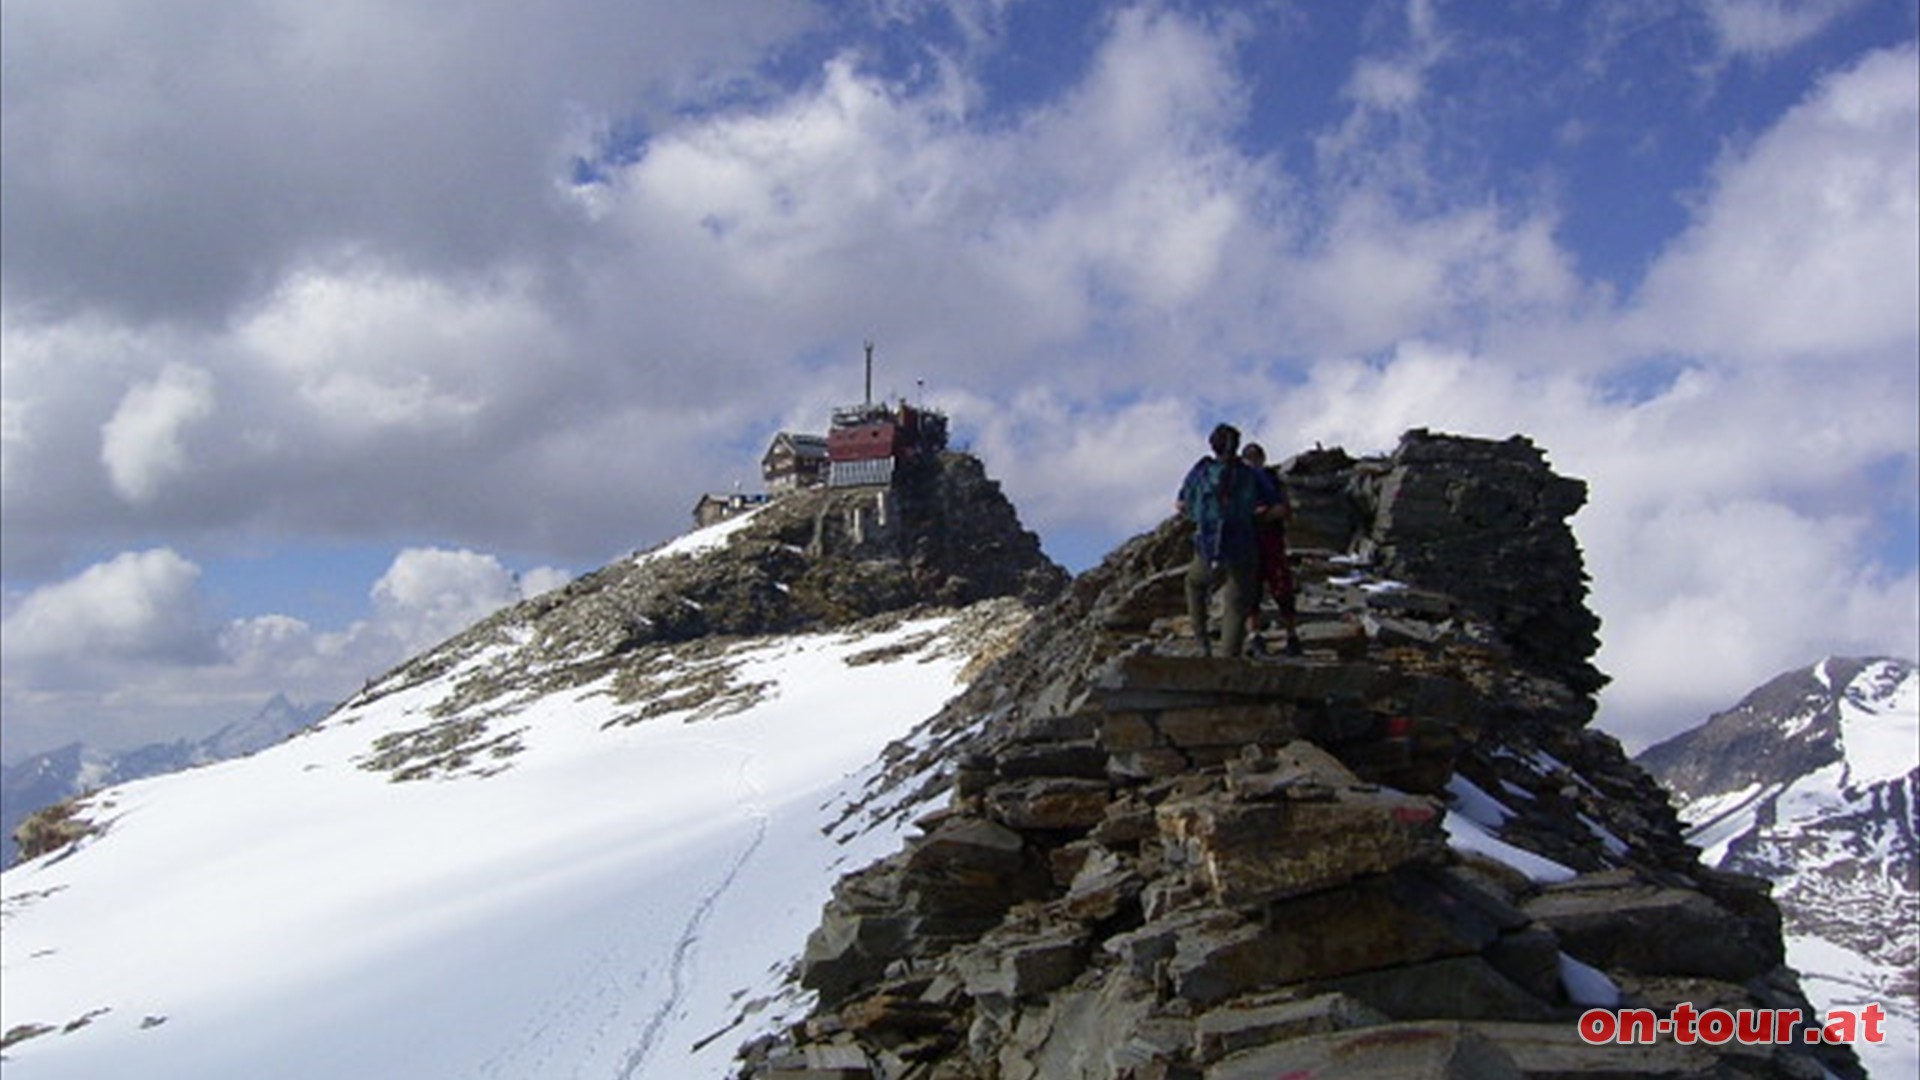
867,441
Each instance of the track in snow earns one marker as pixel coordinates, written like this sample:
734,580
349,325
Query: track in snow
683,949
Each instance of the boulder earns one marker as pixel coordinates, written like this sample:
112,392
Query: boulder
1555,1051
1240,1026
1049,802
1249,853
1022,964
1453,988
1437,1051
1620,922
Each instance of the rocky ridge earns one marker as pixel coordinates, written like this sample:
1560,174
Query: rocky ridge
1404,854
654,630
654,627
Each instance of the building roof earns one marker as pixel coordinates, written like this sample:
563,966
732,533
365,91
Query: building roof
802,445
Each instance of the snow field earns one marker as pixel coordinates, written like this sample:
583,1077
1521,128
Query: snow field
612,897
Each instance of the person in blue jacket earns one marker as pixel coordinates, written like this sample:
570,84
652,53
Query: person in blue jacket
1220,495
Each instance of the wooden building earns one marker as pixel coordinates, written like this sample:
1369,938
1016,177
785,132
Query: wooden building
715,508
794,460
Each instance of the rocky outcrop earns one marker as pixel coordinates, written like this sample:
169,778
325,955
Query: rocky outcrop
1403,854
655,626
942,535
52,828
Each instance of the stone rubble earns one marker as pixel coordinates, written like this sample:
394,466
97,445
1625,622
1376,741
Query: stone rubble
1155,865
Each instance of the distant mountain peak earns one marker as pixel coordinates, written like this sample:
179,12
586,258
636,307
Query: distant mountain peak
1812,781
1841,709
46,779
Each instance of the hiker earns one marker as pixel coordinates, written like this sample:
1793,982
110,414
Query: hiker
1272,511
1218,496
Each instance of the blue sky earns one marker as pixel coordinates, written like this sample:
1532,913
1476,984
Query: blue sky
327,328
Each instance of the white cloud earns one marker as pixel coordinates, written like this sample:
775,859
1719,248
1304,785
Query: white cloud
359,349
1723,593
128,651
142,444
542,579
1076,466
444,337
429,594
170,165
1805,246
14,441
1396,81
1764,28
139,606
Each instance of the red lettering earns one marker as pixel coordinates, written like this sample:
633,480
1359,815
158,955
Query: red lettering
1873,1014
1683,1021
1716,1026
1839,1027
1638,1026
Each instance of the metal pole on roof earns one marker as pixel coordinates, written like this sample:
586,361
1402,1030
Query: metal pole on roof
869,372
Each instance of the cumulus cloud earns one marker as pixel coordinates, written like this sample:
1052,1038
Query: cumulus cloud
131,650
546,327
142,443
1709,592
1805,247
139,606
1760,29
428,594
169,164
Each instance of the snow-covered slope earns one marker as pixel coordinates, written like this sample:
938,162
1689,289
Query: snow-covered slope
1811,782
585,837
492,863
47,778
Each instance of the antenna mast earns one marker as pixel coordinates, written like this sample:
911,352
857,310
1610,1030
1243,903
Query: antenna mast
869,373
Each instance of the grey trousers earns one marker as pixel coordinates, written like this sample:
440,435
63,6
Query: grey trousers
1238,593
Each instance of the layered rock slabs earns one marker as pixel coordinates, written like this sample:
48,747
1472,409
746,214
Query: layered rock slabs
1403,854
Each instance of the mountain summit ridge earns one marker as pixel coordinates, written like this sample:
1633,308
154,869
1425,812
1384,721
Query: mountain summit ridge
1405,853
766,786
1812,781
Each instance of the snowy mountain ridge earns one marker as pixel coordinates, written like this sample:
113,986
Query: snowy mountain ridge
44,779
1812,782
567,891
823,792
585,837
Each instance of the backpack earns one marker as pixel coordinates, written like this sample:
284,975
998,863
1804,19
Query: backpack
1220,500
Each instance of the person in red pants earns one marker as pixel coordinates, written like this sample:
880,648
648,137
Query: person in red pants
1271,512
